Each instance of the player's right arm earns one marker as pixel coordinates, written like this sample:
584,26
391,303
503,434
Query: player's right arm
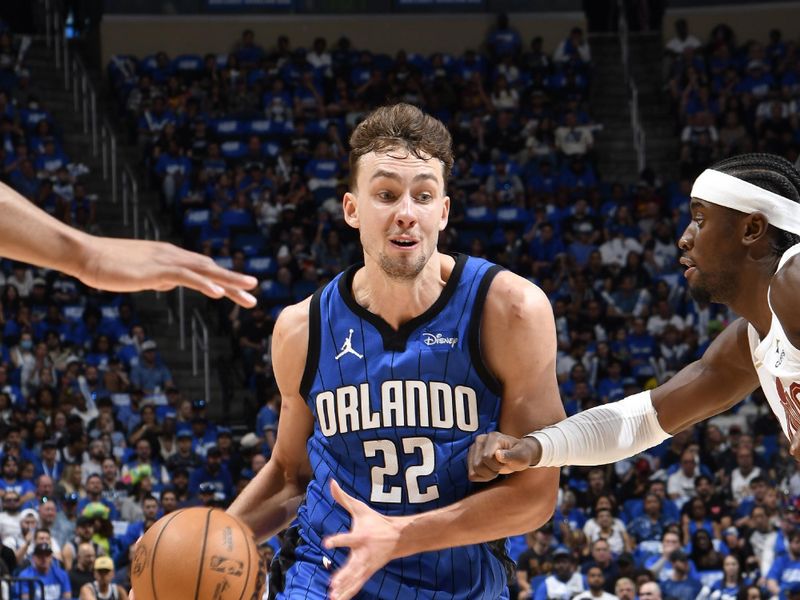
270,501
609,433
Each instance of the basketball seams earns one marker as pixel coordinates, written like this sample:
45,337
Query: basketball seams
249,560
155,549
203,554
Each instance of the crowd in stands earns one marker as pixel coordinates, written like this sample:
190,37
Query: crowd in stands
96,441
249,153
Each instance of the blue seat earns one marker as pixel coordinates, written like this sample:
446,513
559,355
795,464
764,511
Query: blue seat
512,215
226,262
188,63
233,149
260,266
260,127
228,128
73,312
237,218
148,64
251,244
195,218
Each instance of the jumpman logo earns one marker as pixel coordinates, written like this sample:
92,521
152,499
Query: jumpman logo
347,348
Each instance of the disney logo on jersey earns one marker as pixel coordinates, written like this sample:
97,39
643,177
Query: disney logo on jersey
439,339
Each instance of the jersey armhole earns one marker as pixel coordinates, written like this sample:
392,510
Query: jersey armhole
474,335
314,341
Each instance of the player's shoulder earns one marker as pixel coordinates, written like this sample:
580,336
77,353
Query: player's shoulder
293,322
783,291
514,297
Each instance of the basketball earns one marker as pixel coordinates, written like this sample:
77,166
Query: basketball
200,554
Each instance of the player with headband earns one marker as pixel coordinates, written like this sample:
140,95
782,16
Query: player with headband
739,250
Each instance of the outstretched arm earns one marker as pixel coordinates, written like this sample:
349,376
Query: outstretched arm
29,234
518,343
612,432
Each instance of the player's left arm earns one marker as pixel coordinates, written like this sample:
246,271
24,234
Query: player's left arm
518,342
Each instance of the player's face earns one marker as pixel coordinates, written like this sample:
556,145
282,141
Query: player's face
711,252
399,208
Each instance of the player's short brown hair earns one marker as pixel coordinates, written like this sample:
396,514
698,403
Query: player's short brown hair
405,127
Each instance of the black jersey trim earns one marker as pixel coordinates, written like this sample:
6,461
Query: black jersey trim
395,340
314,341
474,335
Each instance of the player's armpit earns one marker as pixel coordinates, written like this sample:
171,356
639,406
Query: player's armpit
722,377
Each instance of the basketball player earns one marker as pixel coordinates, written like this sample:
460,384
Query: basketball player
387,374
740,250
30,235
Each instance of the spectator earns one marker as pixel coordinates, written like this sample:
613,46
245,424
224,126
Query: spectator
651,525
744,473
625,589
150,375
102,584
661,566
762,538
731,583
184,456
596,582
681,585
680,485
144,464
601,558
574,48
53,577
650,591
682,40
10,516
783,572
535,560
573,139
565,582
150,511
605,526
214,473
83,570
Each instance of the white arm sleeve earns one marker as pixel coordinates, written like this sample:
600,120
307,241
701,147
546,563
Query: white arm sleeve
603,434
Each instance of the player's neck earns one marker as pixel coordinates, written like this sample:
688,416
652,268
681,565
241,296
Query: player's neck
398,301
751,302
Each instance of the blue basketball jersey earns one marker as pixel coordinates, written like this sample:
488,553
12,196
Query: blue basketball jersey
395,414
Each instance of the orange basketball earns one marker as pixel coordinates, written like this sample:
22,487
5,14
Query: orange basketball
197,554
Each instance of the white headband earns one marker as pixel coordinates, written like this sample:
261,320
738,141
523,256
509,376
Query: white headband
726,190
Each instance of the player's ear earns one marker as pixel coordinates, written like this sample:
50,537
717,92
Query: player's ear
350,207
445,213
756,226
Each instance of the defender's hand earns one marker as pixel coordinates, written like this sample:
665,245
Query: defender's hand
496,454
122,265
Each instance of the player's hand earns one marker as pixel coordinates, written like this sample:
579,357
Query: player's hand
124,265
495,453
373,540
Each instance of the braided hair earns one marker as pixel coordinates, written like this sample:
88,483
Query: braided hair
770,172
